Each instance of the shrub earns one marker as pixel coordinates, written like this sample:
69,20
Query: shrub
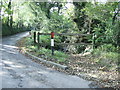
107,48
106,56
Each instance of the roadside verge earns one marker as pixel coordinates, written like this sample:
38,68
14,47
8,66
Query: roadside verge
45,61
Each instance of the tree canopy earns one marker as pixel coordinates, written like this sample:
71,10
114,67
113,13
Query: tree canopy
63,17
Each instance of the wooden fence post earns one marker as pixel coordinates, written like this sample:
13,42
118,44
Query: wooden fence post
52,42
38,37
34,37
93,41
38,40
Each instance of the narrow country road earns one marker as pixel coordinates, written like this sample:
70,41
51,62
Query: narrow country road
19,71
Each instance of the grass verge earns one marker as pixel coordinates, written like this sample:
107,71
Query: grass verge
101,66
58,57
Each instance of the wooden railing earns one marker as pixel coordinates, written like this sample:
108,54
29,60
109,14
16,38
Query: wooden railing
36,37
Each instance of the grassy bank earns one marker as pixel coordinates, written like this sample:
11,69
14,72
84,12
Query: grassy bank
58,57
100,66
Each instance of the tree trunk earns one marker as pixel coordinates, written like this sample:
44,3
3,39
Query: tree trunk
10,17
11,20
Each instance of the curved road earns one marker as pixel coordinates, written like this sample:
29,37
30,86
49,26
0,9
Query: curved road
19,71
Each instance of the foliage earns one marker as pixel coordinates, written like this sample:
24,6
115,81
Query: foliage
13,19
59,56
104,30
107,48
77,17
106,56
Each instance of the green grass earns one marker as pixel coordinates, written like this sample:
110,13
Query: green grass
106,57
58,55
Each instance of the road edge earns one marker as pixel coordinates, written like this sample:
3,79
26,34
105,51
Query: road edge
45,61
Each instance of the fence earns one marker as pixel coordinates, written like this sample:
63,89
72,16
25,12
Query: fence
36,38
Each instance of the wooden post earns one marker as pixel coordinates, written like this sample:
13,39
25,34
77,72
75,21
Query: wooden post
52,42
34,37
93,41
38,40
38,37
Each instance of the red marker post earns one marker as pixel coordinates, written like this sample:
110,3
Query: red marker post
52,42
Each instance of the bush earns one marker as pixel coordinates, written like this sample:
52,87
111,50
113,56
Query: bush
106,56
7,30
107,48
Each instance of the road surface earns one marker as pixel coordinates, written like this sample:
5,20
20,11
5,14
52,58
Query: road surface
19,71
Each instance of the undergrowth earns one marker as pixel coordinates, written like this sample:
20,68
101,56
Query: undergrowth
106,56
58,56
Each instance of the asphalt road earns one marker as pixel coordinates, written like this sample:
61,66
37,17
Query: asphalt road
19,71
